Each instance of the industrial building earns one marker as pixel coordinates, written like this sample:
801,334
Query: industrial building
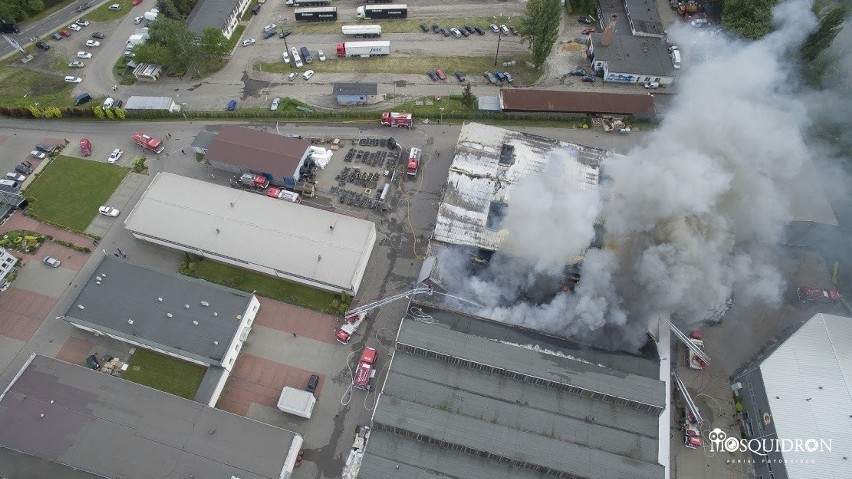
631,47
169,313
223,15
147,72
637,105
347,94
468,397
246,150
488,164
60,420
283,239
800,391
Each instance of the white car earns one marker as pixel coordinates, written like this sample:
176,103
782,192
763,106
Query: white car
115,7
286,57
15,176
308,74
249,42
321,55
138,20
51,261
82,22
504,29
298,61
291,77
73,79
93,43
76,65
115,155
75,27
271,26
84,55
275,102
39,155
108,211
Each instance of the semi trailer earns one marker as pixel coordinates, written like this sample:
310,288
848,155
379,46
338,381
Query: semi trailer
363,49
316,14
366,31
373,12
307,3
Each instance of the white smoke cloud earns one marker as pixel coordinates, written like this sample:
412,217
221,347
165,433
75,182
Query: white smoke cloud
691,212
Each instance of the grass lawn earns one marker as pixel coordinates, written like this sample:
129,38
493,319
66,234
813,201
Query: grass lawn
450,104
267,286
122,72
397,26
69,191
24,88
470,66
165,373
104,14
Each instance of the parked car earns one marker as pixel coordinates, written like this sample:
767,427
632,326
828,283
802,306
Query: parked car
508,77
313,381
585,20
82,22
98,35
65,33
440,74
446,32
504,29
495,28
424,27
285,56
43,46
51,261
321,55
15,176
255,9
491,78
460,76
578,72
138,20
115,155
652,85
432,75
44,147
291,76
500,76
232,105
129,54
268,33
275,102
468,28
308,74
108,211
817,295
39,155
93,43
118,104
479,30
513,30
8,185
56,36
249,42
588,78
456,32
115,7
285,33
92,361
24,168
73,79
77,64
84,55
75,27
436,28
271,26
464,32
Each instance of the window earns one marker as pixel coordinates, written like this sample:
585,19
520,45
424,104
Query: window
496,212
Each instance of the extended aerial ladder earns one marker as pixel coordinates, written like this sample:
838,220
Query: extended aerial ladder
365,308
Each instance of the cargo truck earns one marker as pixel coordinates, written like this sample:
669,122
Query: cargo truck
413,162
148,142
373,12
394,119
316,14
365,31
363,49
255,181
365,370
307,3
297,402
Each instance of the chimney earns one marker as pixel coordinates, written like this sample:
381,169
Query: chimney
609,30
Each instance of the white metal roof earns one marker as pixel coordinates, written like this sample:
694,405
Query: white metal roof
149,103
289,237
807,383
476,178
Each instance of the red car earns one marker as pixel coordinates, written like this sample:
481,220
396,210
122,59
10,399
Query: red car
440,74
136,2
817,295
65,33
589,31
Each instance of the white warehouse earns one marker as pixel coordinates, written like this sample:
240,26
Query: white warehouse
279,238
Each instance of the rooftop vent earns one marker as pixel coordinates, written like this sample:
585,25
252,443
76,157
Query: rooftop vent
195,323
160,299
80,306
215,313
169,315
129,321
98,283
205,304
240,316
97,278
216,342
186,306
507,155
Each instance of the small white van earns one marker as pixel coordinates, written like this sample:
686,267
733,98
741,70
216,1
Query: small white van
676,58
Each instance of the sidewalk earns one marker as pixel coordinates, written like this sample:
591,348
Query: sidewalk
18,221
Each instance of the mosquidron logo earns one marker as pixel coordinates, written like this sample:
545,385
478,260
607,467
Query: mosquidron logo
721,442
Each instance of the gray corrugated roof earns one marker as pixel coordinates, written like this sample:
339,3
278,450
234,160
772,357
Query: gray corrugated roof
17,465
645,16
238,224
258,151
149,103
634,55
209,14
203,139
356,89
129,291
115,428
211,379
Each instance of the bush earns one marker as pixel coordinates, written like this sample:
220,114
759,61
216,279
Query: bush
739,407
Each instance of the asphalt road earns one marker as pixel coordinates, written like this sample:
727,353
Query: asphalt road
53,22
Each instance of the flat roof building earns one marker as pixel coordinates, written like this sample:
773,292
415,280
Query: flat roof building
151,103
468,397
69,419
279,238
246,150
223,15
577,102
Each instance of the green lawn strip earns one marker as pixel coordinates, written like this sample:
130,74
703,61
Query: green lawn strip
235,37
470,66
69,191
165,373
394,26
123,73
267,286
59,64
104,14
24,88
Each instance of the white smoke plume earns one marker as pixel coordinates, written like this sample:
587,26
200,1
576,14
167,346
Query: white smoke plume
690,216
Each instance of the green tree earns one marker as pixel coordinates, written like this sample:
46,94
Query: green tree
171,45
539,28
213,44
748,18
468,99
830,24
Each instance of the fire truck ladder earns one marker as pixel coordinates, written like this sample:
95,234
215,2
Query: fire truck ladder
689,344
690,403
390,299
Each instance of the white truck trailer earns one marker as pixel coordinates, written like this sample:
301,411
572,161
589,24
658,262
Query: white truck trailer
297,402
358,31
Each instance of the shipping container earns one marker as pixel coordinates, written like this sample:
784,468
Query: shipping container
370,12
363,49
316,14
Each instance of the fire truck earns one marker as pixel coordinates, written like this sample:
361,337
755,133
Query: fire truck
391,118
353,318
695,360
148,142
413,162
365,370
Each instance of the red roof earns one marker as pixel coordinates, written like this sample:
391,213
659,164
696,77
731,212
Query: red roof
257,151
557,101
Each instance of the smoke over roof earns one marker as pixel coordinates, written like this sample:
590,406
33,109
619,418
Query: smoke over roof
690,216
